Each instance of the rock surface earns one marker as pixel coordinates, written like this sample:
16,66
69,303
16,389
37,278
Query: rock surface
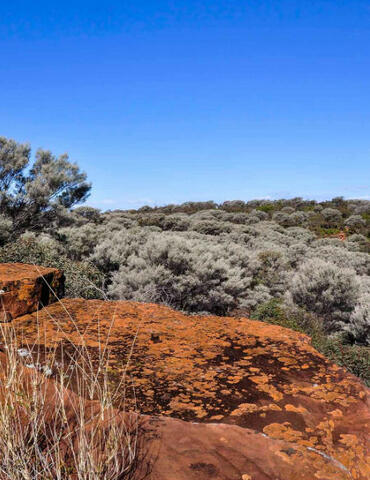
171,449
26,288
190,451
271,406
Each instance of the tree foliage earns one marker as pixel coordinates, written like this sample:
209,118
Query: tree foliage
36,194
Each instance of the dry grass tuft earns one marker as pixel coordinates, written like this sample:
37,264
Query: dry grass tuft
48,431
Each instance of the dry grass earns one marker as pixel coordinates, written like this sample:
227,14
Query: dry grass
49,432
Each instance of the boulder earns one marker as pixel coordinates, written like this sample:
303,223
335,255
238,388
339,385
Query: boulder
26,288
251,398
167,448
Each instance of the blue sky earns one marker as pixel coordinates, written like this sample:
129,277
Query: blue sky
167,101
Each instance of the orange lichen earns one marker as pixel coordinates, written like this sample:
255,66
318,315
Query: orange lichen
292,408
244,408
282,431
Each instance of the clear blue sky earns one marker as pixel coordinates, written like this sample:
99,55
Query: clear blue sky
166,101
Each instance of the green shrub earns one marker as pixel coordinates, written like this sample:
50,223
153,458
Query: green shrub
355,358
274,313
324,232
268,207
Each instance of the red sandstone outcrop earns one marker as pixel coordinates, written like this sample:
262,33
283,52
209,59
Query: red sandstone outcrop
252,401
26,288
170,449
225,371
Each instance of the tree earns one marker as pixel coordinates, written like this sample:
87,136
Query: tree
14,157
36,195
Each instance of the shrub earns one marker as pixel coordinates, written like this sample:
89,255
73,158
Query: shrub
288,210
296,253
192,207
260,213
298,218
357,237
329,231
181,270
360,241
281,218
274,313
326,290
271,270
266,207
114,221
80,241
211,227
239,218
233,206
253,297
177,223
354,358
332,216
359,322
252,219
338,254
355,223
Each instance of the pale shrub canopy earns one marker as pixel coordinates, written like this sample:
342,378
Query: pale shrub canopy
355,223
241,266
176,269
327,290
331,215
359,324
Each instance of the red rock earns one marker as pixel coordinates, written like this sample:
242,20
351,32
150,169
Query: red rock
291,414
26,288
191,451
170,449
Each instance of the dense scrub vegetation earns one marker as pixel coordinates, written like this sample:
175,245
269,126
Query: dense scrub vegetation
231,258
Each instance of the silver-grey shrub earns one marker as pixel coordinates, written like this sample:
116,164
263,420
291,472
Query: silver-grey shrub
185,271
298,218
281,218
326,290
260,214
287,210
342,257
359,322
221,263
355,223
80,242
211,227
332,216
